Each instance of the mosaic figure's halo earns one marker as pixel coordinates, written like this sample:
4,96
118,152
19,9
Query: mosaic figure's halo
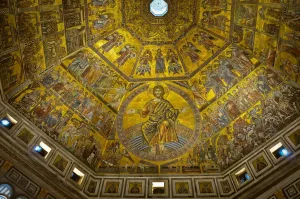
153,85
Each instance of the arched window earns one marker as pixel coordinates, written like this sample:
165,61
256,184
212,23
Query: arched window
5,191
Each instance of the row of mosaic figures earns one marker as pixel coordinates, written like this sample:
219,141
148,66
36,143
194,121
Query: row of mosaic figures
60,123
163,60
251,129
95,73
103,17
271,22
79,100
216,79
42,40
190,50
269,19
243,96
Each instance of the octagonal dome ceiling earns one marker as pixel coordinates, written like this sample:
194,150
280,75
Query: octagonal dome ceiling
185,38
138,19
124,91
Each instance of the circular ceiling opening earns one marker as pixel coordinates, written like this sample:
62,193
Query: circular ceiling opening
158,8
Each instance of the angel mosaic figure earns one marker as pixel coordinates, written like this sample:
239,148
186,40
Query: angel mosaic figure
212,19
145,61
80,63
174,66
191,51
103,21
126,53
206,40
113,40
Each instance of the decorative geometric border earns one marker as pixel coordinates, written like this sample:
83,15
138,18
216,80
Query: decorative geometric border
291,191
23,182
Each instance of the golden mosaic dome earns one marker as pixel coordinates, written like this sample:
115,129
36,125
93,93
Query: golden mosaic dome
185,36
194,89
